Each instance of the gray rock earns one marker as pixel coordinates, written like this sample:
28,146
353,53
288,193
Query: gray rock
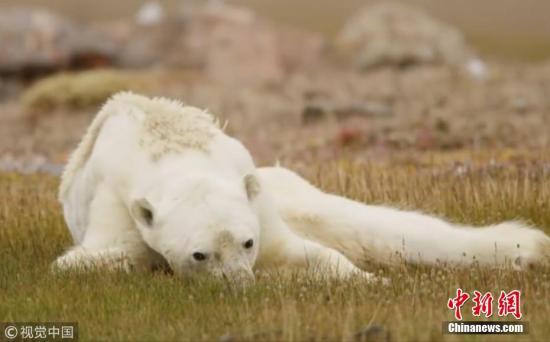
400,35
317,111
29,164
35,40
229,44
373,333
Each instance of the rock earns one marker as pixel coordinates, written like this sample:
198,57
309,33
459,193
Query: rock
29,164
155,44
229,44
363,109
9,88
425,139
226,338
477,68
373,333
313,113
317,111
150,13
36,41
520,105
348,135
235,45
400,35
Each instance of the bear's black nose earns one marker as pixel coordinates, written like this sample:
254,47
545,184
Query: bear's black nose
248,244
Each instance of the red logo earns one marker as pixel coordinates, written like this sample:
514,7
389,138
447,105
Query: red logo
483,304
508,303
457,302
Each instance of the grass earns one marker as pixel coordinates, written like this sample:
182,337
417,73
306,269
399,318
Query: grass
158,306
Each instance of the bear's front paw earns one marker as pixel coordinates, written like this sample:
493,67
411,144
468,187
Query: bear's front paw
73,259
81,260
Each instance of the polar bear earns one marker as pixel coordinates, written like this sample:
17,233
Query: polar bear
154,182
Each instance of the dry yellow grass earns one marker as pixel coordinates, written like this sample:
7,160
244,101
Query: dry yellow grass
291,307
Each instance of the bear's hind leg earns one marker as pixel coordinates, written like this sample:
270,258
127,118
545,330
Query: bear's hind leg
280,247
324,261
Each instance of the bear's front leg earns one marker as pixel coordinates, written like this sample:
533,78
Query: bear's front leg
81,259
111,240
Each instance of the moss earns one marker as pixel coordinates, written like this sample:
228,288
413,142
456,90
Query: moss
80,90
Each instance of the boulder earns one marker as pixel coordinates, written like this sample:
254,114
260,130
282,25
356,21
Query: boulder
36,41
391,34
229,44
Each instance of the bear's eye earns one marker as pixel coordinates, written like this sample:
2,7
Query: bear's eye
199,256
248,244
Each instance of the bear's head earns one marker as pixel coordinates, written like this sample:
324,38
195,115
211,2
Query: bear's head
203,225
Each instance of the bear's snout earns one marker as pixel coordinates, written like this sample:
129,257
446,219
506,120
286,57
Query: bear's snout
243,276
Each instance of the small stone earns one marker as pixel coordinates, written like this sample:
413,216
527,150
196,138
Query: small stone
477,68
520,105
313,114
363,109
150,13
226,338
425,139
441,125
348,135
373,333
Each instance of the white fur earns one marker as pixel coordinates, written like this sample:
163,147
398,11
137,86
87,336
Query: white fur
366,233
154,181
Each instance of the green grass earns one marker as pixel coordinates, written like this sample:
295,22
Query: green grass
159,306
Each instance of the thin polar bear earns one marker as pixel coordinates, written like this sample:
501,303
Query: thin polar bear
154,182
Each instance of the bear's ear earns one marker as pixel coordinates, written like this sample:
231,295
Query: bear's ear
252,186
143,212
